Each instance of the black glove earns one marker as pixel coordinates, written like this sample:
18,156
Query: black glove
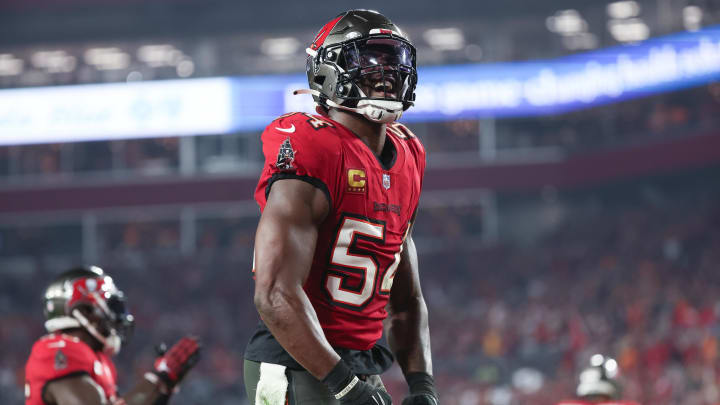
350,390
422,390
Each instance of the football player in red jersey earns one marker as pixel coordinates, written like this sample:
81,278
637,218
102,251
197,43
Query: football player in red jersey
334,256
87,324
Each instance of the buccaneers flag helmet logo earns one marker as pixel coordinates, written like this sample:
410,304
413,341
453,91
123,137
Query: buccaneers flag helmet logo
286,156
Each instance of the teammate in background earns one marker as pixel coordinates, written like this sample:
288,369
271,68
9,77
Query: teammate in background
598,384
87,323
334,256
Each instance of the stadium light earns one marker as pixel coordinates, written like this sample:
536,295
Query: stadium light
692,18
107,58
445,39
623,9
10,65
185,68
629,30
57,61
280,48
566,22
159,55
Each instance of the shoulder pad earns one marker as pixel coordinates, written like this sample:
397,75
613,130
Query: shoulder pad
401,131
57,355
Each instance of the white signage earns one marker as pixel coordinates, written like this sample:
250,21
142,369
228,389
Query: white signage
115,111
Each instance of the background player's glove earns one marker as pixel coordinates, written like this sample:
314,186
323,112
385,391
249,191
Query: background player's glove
172,365
349,390
422,390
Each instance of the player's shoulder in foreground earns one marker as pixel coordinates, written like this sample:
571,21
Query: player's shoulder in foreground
303,138
56,355
403,133
300,124
60,349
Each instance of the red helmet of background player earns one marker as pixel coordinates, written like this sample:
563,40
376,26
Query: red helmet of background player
356,47
86,297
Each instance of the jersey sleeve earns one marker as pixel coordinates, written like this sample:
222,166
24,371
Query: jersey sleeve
53,359
300,146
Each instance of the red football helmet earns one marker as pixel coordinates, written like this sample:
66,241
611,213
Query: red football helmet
85,297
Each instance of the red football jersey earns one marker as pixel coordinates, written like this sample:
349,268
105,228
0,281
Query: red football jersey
56,356
359,243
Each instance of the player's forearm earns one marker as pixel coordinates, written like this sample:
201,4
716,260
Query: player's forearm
409,337
169,369
145,393
285,246
407,324
292,320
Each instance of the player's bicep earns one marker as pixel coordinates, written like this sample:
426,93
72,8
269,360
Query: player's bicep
76,390
287,232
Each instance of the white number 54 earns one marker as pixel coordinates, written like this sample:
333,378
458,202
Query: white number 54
346,256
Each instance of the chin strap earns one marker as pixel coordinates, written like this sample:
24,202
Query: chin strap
111,344
380,111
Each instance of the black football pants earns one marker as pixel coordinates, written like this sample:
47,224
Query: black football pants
280,386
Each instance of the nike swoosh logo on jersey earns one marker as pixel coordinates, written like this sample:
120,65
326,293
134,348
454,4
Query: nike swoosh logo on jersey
288,130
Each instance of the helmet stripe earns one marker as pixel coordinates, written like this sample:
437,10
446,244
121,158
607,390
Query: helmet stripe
324,32
385,31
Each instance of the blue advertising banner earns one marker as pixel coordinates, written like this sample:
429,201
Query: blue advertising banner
223,105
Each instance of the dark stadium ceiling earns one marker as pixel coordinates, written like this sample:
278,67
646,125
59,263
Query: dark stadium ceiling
47,21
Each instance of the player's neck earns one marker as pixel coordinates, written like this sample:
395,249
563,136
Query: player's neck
371,133
85,337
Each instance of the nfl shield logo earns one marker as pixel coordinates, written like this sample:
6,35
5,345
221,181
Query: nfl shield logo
386,181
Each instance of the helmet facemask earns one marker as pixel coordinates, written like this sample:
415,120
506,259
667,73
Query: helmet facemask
107,320
376,69
372,73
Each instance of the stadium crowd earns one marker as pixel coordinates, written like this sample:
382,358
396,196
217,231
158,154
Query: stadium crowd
628,270
673,114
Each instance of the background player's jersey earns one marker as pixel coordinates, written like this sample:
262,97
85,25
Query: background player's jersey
371,206
57,356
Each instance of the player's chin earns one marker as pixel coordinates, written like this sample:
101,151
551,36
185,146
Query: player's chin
382,94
